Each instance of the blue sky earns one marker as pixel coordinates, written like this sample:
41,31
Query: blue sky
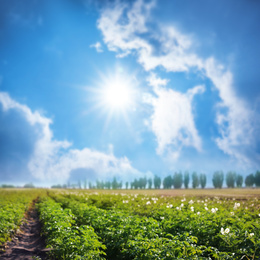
128,89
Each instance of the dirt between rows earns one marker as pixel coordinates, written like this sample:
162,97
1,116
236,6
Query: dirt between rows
27,244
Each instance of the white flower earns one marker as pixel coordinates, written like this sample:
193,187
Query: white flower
182,205
161,217
214,210
148,202
192,209
178,208
125,201
191,202
251,234
169,206
224,232
236,205
227,230
198,213
206,208
232,213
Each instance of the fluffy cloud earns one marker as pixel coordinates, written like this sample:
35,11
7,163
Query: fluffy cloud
172,120
53,160
128,29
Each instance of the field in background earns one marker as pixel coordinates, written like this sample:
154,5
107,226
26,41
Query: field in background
236,193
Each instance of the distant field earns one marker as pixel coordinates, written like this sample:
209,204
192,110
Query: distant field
236,193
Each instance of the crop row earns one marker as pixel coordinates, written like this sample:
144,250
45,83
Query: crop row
67,240
219,228
13,205
138,237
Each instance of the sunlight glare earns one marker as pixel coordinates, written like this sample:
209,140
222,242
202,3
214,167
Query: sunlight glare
117,94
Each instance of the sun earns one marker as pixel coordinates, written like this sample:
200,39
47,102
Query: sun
117,94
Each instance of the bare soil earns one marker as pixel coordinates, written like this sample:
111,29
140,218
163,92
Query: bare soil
27,243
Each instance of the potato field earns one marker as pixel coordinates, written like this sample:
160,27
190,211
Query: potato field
78,224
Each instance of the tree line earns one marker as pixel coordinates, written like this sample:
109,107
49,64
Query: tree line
177,181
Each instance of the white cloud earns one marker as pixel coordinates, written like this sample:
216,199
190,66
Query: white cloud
172,119
236,124
53,160
97,46
129,29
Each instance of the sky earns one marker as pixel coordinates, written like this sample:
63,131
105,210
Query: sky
101,89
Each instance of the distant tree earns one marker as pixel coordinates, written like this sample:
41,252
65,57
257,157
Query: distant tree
186,179
257,179
68,184
142,183
98,184
7,186
56,186
90,185
29,185
126,185
250,180
132,185
239,180
218,178
230,179
79,184
114,184
203,180
157,182
107,185
85,184
167,182
136,184
177,180
195,180
150,183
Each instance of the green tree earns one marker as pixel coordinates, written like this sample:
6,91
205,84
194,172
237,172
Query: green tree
177,180
239,180
126,185
142,183
250,180
114,184
167,182
186,179
257,179
230,179
218,178
135,184
203,180
195,180
157,182
29,185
